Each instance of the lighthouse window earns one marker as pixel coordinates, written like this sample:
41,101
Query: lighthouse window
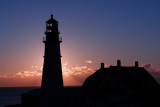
49,31
49,25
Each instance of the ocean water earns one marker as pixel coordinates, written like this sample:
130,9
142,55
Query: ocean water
12,95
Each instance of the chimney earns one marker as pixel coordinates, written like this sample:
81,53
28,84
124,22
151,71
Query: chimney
136,64
102,65
118,63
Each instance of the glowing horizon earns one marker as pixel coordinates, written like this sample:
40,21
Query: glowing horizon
72,76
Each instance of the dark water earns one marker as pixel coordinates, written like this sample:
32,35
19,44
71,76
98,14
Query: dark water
12,95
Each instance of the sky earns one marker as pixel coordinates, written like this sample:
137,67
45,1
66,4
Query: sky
92,31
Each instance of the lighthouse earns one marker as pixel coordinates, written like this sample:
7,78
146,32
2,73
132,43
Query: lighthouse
52,81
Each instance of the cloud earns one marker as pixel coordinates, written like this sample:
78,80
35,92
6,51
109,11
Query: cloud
76,75
76,70
90,62
72,75
147,66
22,78
154,72
150,68
34,66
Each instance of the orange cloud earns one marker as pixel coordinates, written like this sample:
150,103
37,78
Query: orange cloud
89,62
23,78
75,75
71,76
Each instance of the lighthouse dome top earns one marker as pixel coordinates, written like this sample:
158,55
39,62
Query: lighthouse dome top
51,20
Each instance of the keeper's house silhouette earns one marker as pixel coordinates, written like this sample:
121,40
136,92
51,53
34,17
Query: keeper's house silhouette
116,86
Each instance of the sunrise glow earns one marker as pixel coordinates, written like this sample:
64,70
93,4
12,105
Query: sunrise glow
92,32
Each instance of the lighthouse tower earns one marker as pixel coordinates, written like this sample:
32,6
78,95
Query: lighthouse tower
52,81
